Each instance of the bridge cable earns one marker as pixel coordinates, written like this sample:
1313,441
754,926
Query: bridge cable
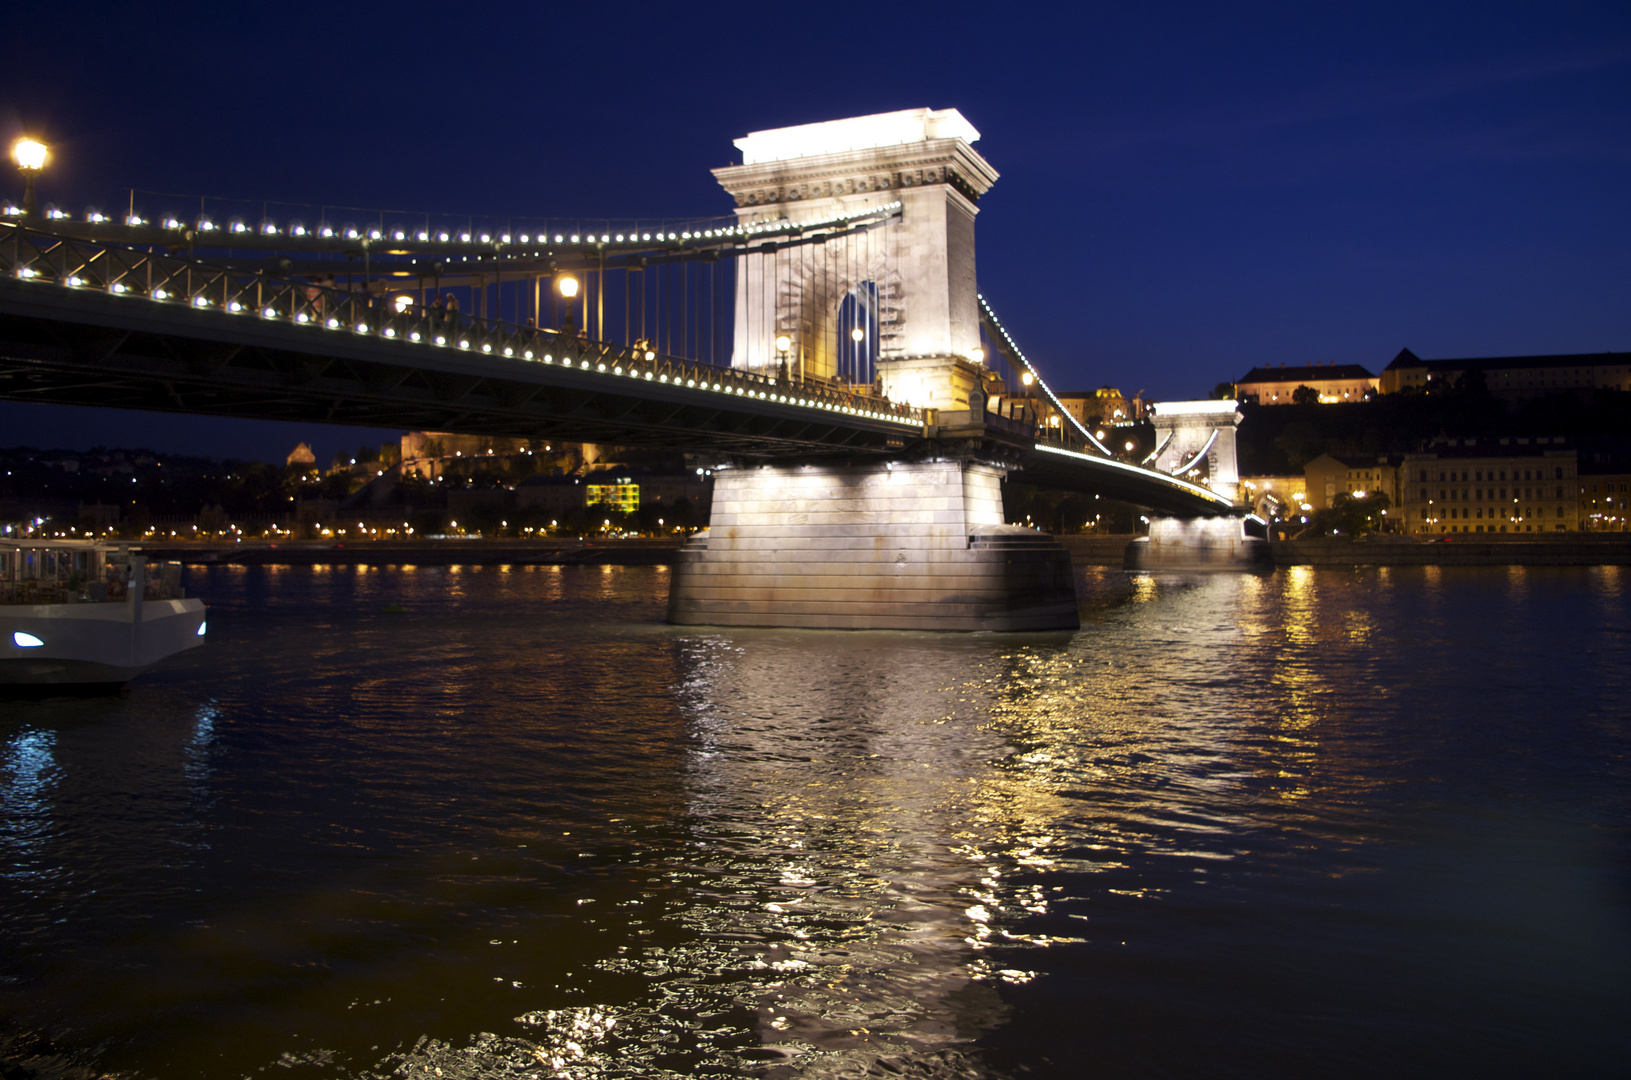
1000,333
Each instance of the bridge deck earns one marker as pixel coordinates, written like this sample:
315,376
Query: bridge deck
106,326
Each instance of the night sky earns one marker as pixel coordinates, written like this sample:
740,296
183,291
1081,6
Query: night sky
1188,190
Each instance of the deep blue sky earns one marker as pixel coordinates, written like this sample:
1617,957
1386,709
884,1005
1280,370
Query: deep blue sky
1187,189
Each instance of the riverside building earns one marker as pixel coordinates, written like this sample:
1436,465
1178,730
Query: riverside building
1491,486
1354,474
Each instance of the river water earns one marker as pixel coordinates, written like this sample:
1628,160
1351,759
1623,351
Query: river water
499,822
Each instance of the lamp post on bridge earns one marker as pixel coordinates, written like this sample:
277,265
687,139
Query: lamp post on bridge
784,345
30,156
567,286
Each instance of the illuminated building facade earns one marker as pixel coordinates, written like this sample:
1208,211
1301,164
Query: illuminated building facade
1330,474
1106,405
619,493
1501,486
1332,382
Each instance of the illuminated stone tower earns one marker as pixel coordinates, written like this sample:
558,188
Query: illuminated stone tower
914,273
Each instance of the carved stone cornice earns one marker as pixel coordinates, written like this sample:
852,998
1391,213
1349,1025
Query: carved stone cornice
859,172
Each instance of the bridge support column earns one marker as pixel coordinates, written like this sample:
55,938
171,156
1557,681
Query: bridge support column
898,546
1191,544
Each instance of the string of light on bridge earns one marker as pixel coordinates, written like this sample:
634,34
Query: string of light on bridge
1036,376
644,366
1139,470
267,229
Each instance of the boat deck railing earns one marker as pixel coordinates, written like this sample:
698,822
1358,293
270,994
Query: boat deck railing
163,582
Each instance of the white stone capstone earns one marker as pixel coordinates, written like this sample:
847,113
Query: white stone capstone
855,133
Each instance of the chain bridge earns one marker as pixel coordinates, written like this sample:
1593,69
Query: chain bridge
826,347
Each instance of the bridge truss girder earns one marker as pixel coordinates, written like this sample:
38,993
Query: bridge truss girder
80,348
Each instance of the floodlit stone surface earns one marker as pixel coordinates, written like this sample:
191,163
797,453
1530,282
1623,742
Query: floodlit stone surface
915,274
920,546
1199,544
1199,434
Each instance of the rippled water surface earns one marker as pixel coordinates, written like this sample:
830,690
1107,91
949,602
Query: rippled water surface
503,823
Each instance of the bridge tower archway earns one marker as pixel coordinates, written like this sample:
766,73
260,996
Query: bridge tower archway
856,338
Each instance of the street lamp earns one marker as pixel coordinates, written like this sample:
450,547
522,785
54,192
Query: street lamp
30,156
567,286
783,345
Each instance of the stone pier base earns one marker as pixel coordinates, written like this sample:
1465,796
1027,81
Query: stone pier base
1199,544
906,546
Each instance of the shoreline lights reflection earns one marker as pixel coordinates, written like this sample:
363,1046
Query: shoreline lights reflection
520,806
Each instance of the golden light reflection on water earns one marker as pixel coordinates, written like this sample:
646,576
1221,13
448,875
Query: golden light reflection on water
816,854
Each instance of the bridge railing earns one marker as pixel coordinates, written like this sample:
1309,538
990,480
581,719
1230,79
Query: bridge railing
50,259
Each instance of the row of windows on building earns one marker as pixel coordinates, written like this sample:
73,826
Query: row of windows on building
1485,494
1431,508
1509,488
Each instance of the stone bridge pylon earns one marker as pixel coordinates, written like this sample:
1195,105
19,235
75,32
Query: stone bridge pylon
1195,440
915,543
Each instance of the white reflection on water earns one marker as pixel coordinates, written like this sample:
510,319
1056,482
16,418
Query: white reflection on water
853,836
28,774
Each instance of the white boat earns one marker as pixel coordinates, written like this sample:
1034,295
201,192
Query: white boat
81,613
